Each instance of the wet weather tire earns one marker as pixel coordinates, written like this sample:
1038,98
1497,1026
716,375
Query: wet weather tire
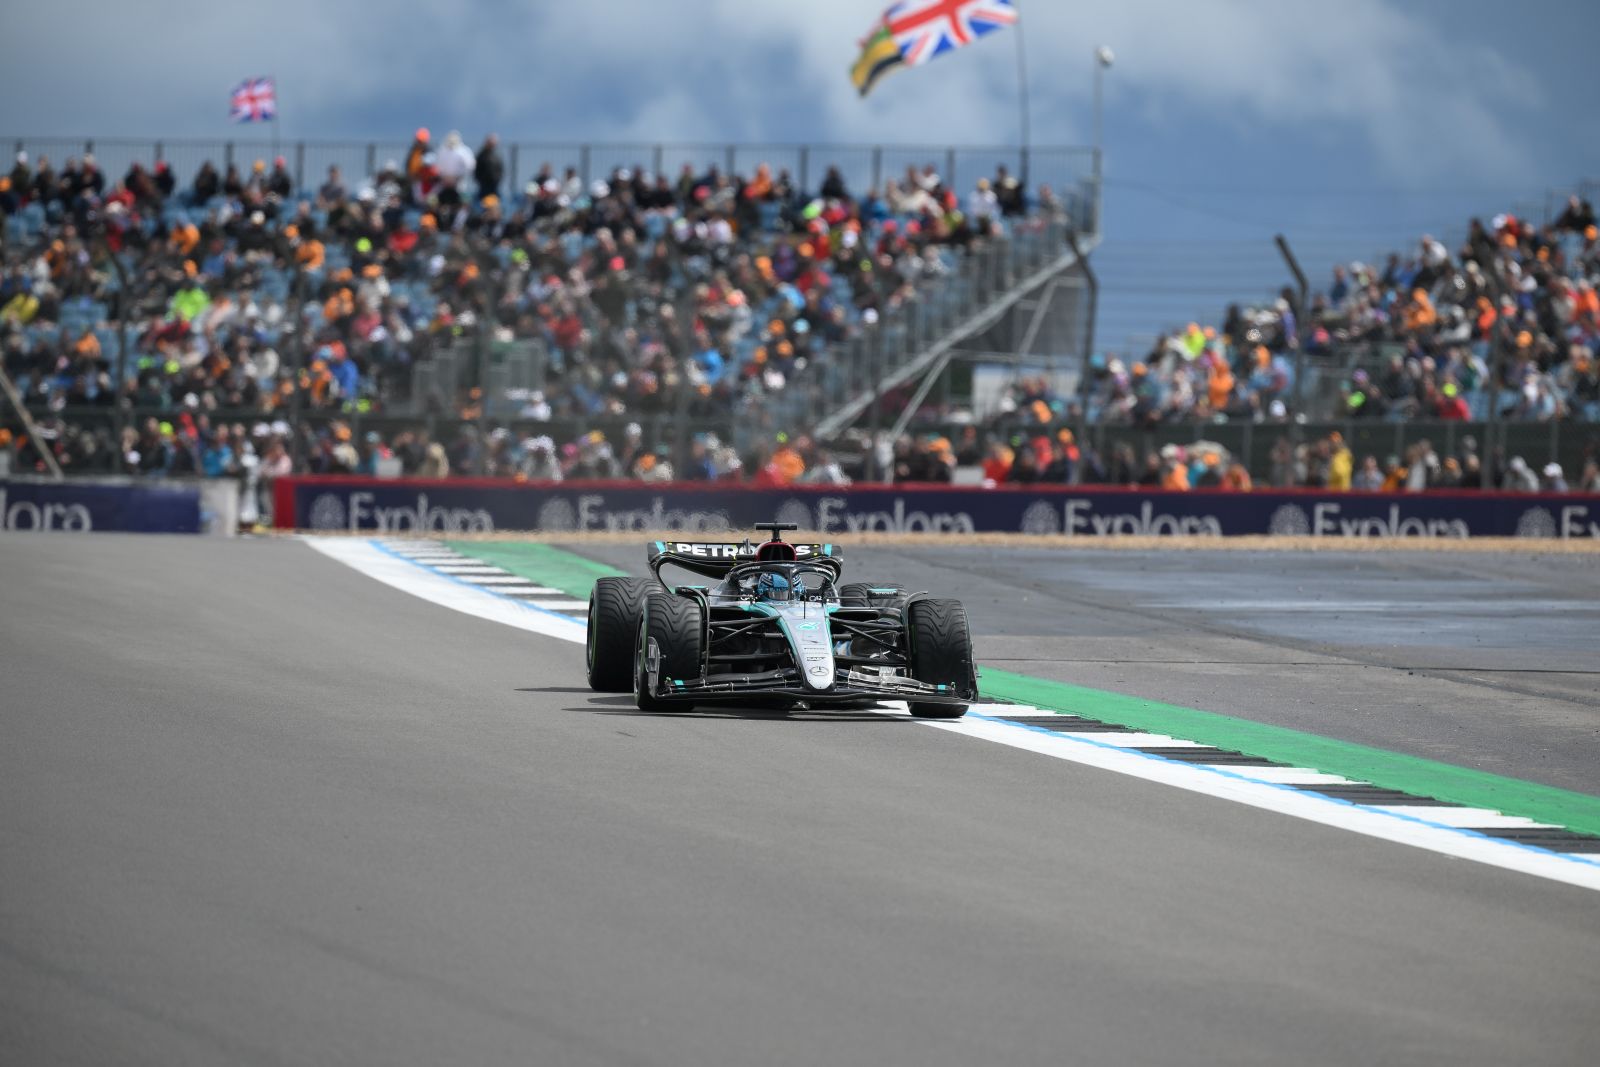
673,625
614,606
941,653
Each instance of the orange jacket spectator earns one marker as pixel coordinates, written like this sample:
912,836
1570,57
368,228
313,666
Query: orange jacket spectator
1219,388
1586,302
87,346
1419,312
311,254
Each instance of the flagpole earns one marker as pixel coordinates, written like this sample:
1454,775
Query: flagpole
275,110
1022,94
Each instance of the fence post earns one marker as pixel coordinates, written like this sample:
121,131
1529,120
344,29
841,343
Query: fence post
950,168
877,166
657,158
159,152
372,159
299,165
583,163
516,165
227,155
730,155
805,166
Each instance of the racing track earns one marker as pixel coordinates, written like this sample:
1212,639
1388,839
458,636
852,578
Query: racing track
255,807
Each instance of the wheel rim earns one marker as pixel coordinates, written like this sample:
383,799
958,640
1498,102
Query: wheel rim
589,635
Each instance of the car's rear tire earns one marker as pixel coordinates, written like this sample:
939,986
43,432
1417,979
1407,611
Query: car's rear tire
614,606
674,624
940,646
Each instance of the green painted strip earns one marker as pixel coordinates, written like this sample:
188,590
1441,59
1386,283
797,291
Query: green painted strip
575,575
540,564
1392,770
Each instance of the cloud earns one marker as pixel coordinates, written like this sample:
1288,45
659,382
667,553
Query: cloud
1425,102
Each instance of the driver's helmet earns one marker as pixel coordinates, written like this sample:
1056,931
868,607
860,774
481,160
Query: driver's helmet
772,587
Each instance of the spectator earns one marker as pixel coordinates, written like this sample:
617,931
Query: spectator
1577,216
455,160
489,169
1369,478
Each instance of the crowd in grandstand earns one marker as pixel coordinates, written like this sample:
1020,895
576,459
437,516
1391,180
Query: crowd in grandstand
1507,326
696,294
650,292
1047,456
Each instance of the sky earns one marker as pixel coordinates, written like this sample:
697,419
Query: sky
1351,128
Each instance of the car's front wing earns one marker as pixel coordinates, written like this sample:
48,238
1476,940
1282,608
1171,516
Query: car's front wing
850,686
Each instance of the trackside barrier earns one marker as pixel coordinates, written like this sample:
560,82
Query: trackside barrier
486,505
81,505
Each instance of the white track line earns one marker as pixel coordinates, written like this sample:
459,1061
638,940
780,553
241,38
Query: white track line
1283,775
1465,818
1244,785
1128,740
1423,831
372,560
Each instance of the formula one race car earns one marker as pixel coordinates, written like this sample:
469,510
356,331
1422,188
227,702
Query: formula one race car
775,628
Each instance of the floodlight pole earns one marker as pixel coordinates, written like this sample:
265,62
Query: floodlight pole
1102,60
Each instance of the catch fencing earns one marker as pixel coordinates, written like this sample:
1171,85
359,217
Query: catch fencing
1068,169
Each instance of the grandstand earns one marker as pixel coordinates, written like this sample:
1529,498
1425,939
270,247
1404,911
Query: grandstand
663,311
569,298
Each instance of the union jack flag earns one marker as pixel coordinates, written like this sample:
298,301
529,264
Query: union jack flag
254,100
926,29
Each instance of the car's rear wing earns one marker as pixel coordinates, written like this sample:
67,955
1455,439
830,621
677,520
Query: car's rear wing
714,559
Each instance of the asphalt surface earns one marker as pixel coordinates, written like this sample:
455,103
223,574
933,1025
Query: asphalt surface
257,808
1486,661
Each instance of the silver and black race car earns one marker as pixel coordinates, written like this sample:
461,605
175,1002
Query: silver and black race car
776,627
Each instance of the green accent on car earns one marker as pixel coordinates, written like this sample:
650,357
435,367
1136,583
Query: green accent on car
1391,770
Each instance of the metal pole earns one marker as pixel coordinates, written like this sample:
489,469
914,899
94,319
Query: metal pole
1098,70
123,285
1022,101
1299,349
49,457
1088,331
877,403
296,363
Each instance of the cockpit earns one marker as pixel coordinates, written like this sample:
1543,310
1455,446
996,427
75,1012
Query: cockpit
780,583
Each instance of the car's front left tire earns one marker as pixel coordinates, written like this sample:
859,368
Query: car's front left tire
940,646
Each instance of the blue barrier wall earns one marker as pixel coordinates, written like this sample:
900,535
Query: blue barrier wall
482,506
84,507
